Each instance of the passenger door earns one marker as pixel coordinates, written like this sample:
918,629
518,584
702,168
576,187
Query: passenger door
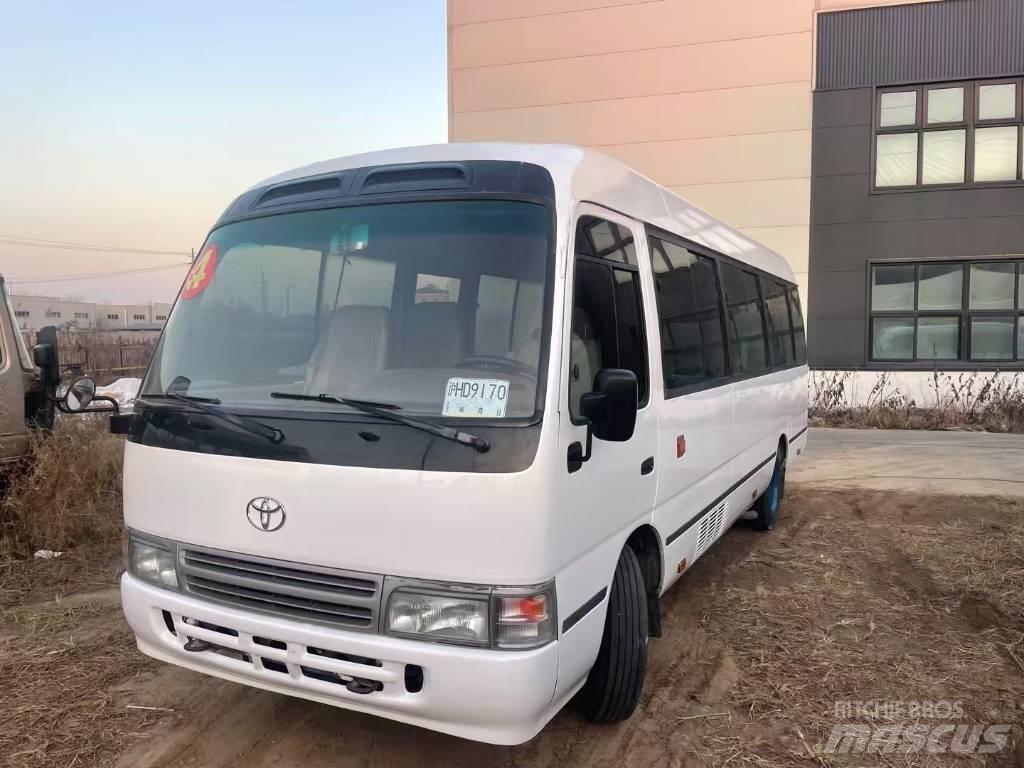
606,329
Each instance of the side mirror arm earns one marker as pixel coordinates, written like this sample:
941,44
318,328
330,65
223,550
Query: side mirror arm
114,408
576,456
592,406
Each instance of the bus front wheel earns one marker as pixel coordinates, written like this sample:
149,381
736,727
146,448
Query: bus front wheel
613,687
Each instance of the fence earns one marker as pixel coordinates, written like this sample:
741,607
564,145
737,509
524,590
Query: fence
104,355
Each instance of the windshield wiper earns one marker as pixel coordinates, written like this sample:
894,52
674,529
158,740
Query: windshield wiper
209,405
388,411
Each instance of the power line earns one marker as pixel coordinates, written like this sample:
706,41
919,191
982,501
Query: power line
34,242
94,275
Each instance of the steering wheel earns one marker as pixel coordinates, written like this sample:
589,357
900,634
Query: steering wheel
500,363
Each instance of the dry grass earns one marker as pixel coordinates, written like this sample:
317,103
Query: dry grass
990,402
63,644
69,494
874,597
59,663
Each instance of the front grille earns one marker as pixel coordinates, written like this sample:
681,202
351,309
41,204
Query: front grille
304,592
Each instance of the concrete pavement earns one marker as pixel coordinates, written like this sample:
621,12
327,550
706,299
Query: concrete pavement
945,462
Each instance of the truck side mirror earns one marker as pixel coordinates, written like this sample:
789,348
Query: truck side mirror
611,408
47,358
44,356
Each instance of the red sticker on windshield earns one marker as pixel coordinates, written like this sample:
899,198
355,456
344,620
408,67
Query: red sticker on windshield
201,273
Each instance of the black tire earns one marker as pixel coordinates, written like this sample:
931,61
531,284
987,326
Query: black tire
613,687
769,504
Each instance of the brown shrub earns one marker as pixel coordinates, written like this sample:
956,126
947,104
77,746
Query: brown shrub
69,493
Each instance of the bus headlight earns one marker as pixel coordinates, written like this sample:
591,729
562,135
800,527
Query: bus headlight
442,618
488,617
150,562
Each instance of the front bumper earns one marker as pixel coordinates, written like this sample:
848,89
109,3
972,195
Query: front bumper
500,697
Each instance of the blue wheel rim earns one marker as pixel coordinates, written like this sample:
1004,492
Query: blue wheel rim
773,490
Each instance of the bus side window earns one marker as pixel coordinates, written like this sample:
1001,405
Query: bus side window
744,312
607,315
797,316
690,316
780,331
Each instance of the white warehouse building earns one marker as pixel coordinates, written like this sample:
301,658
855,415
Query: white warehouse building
35,312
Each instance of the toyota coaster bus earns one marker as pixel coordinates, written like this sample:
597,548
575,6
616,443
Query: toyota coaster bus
430,430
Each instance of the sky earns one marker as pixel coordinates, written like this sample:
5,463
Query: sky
131,126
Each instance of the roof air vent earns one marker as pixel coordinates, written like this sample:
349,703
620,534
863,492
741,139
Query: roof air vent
415,178
297,191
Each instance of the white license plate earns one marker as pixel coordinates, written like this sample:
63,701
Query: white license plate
475,398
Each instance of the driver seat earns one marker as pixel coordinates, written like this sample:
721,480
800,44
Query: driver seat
435,335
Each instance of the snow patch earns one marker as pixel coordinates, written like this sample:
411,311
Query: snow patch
122,390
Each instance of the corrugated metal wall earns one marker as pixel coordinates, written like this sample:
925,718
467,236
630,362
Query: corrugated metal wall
950,40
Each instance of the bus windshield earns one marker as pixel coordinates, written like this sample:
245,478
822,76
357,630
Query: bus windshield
436,308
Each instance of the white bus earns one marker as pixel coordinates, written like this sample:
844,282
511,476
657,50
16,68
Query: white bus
430,430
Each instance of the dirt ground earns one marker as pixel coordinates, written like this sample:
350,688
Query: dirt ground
855,596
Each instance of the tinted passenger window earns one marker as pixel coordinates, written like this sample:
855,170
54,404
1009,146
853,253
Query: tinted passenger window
797,315
745,321
601,239
607,319
689,315
780,331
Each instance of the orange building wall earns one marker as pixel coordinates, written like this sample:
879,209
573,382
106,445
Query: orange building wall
711,98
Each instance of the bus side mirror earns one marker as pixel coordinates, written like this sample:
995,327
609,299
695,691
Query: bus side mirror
611,408
79,395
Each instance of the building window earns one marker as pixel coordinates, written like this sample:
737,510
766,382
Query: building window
942,311
138,317
22,313
437,288
160,317
113,317
81,315
948,134
53,313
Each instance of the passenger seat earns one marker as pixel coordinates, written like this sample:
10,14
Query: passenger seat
353,348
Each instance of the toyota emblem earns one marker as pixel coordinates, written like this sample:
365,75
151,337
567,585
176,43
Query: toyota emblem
265,513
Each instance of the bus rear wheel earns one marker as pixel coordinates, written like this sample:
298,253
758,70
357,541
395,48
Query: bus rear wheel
770,502
613,687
